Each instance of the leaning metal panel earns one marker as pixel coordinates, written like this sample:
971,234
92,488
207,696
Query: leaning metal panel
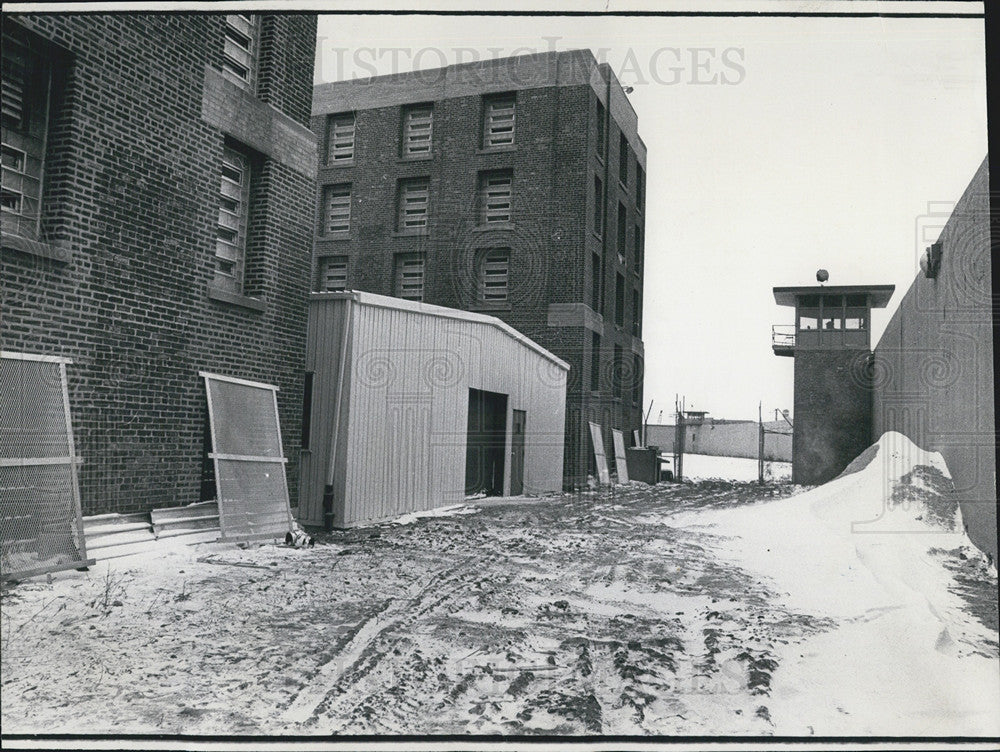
621,464
250,428
249,467
41,528
252,499
603,475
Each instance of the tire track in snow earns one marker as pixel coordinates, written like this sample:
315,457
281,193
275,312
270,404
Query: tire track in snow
305,705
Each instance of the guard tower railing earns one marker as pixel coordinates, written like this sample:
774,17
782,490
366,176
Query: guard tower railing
783,339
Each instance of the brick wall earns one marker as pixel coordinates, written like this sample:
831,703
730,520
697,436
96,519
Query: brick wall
131,198
553,162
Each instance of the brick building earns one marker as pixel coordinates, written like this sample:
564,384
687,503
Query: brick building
512,187
158,174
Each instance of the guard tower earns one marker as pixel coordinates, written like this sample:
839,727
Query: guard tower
831,343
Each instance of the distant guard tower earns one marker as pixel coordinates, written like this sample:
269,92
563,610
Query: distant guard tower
831,343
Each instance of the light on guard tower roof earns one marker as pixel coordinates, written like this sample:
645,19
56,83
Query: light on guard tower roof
822,275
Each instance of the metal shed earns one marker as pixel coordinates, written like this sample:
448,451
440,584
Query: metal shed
411,406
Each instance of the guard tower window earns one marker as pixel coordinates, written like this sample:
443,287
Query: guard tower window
808,313
808,319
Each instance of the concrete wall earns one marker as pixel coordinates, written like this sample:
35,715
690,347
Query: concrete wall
404,421
833,408
934,363
729,438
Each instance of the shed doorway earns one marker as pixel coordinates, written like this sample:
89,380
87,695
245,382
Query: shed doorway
518,419
487,438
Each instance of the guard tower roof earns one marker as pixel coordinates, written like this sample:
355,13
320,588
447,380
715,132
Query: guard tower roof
880,294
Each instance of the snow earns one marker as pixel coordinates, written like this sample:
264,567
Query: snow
907,658
710,607
446,511
703,466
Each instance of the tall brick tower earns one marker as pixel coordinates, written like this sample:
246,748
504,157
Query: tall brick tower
513,187
831,343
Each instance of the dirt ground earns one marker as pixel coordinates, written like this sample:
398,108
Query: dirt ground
576,614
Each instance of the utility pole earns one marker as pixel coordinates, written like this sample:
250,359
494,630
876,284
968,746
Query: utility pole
760,443
645,422
678,438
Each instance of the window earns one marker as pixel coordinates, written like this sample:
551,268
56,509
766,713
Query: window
617,375
498,121
595,289
231,228
619,300
595,362
623,159
25,83
493,272
337,209
409,277
636,314
622,231
637,249
636,379
598,206
340,138
640,183
602,133
240,49
418,125
495,196
414,197
332,274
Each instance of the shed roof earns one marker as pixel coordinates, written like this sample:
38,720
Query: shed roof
880,294
384,301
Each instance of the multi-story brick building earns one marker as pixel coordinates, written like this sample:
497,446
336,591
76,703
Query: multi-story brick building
512,187
158,174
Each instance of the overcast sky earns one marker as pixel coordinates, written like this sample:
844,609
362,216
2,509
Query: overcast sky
822,142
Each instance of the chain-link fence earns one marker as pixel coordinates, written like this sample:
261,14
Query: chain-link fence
246,451
41,529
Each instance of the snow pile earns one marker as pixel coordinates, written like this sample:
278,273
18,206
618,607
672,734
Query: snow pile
870,550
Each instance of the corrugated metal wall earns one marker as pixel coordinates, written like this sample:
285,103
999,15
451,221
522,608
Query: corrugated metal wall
327,327
406,410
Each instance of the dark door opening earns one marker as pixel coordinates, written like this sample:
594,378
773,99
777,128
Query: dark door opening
487,434
518,419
